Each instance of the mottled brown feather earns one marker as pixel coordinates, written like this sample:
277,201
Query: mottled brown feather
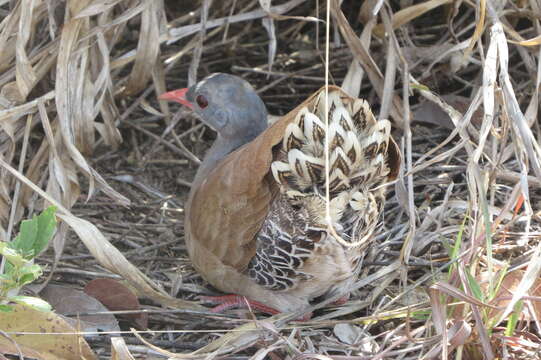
225,211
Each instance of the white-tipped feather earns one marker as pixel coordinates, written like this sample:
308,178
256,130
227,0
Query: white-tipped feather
278,169
334,102
303,166
353,150
337,135
339,160
293,137
342,117
314,130
357,160
338,180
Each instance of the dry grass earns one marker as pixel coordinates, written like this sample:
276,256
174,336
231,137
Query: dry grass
455,270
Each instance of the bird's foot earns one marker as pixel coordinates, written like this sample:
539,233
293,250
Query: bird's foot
227,302
341,301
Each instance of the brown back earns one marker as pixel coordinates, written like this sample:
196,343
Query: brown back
227,210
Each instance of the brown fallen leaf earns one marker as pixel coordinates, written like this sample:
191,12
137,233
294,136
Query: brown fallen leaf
431,113
67,300
116,296
505,293
44,333
17,350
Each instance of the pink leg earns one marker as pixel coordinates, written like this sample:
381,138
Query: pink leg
341,301
227,302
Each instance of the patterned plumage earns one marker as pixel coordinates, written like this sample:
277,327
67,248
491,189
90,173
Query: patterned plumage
256,222
294,233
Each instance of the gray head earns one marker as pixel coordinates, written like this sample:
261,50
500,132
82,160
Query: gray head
226,103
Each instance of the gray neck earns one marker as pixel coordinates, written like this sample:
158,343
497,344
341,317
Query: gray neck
226,144
219,150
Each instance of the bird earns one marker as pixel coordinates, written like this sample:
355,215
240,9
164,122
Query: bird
272,217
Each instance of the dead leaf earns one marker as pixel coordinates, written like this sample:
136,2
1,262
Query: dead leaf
348,333
119,350
148,48
70,301
175,34
406,15
112,259
431,113
11,93
96,7
116,296
530,42
505,293
365,59
268,24
16,350
266,6
46,333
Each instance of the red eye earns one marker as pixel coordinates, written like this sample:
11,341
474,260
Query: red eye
201,101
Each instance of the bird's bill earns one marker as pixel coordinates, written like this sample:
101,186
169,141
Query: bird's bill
177,96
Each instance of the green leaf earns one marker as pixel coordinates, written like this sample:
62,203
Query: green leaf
447,245
458,242
46,229
499,278
35,234
29,273
33,302
6,281
11,255
421,314
24,242
33,269
454,251
513,319
26,279
5,308
475,288
419,87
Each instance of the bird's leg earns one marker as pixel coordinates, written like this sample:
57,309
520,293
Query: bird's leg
227,302
341,300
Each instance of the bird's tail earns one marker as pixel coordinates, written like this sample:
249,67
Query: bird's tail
358,163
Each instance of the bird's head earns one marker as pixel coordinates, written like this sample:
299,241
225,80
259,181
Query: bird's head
226,103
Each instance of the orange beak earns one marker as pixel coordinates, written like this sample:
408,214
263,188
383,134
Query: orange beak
177,96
